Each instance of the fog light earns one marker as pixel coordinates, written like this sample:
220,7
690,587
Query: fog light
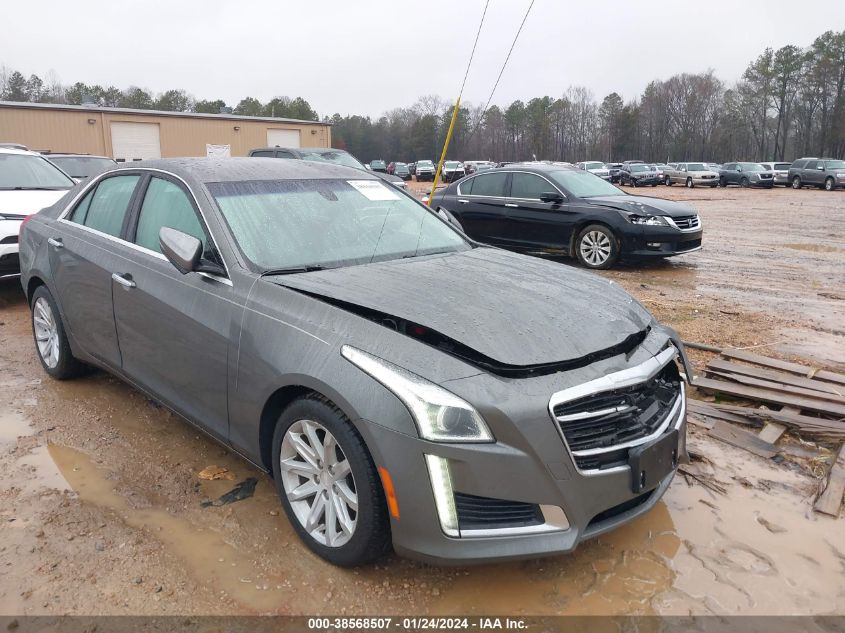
444,499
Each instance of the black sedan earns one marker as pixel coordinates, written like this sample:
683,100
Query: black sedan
556,209
639,175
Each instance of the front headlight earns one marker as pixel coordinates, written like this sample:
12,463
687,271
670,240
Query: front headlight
647,220
440,415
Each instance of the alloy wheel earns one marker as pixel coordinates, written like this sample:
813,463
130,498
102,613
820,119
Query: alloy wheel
317,479
595,248
828,184
796,183
46,332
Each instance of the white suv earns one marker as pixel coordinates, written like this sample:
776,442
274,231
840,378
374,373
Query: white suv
28,183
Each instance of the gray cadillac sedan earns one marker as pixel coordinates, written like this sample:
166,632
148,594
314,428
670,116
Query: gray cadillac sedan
403,385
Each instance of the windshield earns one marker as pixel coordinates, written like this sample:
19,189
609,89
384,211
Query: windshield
424,163
783,166
329,223
82,166
594,166
638,168
451,164
834,164
697,167
753,167
25,171
377,164
338,158
583,184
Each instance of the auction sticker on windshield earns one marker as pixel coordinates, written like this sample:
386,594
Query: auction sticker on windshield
373,190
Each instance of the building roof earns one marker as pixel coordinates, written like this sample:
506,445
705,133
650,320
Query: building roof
190,115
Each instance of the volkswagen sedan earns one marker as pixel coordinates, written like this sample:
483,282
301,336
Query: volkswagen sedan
403,385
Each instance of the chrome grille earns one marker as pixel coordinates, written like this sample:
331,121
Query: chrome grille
601,426
687,222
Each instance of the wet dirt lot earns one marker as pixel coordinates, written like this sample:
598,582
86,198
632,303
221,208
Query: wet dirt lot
100,496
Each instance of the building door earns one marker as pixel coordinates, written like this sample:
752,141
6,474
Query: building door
135,141
283,138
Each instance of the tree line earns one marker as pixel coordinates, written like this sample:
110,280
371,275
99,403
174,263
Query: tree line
14,86
789,102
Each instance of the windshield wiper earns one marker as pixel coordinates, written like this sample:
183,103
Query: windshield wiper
292,270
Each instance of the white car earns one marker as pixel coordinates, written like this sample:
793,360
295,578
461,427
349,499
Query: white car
28,183
595,167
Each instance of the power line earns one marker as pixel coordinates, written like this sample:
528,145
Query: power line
501,72
472,54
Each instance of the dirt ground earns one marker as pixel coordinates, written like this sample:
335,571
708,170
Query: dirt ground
100,496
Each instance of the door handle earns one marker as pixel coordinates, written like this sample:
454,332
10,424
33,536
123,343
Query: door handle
462,201
55,242
511,205
123,281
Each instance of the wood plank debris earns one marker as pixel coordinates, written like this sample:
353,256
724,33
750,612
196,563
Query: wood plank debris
771,432
721,365
777,386
770,396
792,368
742,439
830,499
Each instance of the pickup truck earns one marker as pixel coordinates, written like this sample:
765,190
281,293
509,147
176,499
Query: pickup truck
691,175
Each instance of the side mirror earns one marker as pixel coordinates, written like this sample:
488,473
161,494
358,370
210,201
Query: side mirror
551,196
820,168
182,250
739,168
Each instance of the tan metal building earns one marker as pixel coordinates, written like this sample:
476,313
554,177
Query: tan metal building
128,135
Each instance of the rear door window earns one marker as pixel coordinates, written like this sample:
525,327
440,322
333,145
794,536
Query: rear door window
529,186
105,208
262,154
491,185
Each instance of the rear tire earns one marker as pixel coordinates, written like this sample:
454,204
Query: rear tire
796,182
596,247
313,421
51,342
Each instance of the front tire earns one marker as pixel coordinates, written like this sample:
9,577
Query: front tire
328,484
744,183
597,247
796,182
829,185
669,182
690,184
51,342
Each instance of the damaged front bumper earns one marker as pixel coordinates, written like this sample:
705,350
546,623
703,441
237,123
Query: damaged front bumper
529,493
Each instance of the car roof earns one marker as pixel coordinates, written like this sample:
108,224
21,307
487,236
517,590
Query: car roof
205,170
539,168
14,150
70,155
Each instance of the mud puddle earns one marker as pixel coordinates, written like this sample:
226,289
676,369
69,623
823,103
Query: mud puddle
759,549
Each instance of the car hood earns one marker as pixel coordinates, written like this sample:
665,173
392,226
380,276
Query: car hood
27,202
516,310
640,204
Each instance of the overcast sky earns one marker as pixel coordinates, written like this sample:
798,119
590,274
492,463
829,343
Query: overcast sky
365,57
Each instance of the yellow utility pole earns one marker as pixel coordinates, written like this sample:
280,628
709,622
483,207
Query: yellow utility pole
445,149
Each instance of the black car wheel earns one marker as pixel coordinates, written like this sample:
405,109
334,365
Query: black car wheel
328,484
744,183
796,182
51,341
690,183
634,182
829,185
597,247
